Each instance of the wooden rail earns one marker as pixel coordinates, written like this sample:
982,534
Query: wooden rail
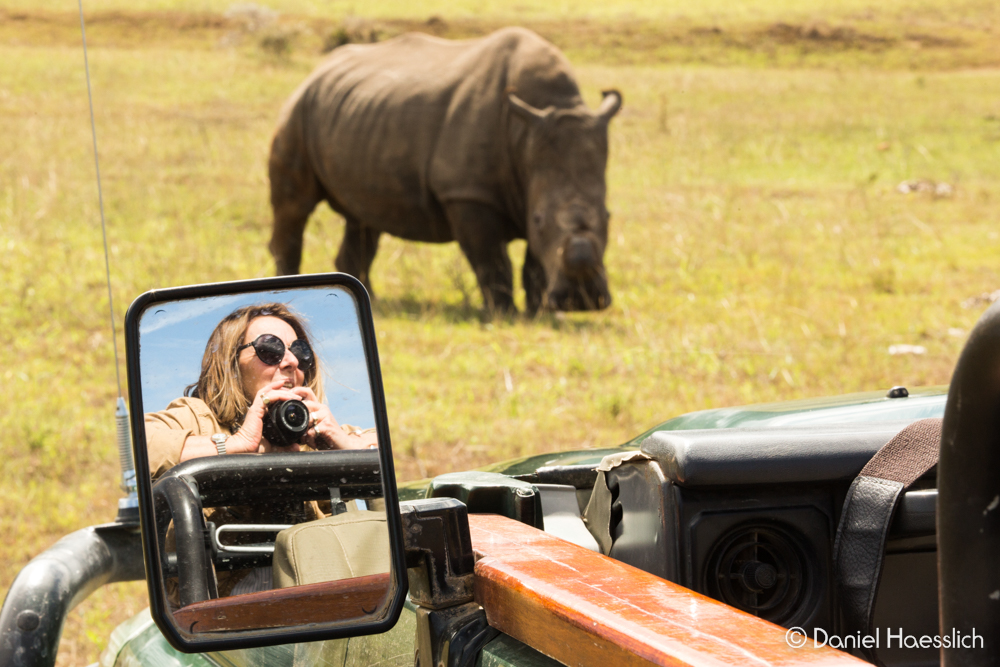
312,603
582,608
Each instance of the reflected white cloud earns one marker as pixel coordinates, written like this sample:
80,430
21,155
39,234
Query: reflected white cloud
184,311
173,337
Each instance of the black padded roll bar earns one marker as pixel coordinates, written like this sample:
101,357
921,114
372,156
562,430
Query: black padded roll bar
57,580
275,477
174,499
968,511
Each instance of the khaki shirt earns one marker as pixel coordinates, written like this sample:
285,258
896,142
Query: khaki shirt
167,430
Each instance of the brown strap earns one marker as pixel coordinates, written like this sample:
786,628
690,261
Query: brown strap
909,455
859,547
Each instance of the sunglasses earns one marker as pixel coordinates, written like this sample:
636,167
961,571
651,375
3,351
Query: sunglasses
271,350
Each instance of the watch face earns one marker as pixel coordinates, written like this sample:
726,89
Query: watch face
219,438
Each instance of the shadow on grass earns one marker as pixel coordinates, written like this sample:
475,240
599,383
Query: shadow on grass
413,308
410,307
578,321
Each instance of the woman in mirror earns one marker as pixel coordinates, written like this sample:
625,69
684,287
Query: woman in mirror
256,356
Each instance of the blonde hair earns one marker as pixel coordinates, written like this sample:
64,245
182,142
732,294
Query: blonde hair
220,383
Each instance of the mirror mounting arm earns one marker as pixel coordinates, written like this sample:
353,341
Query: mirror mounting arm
451,628
439,556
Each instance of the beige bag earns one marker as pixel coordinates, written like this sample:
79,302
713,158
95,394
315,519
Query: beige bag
352,544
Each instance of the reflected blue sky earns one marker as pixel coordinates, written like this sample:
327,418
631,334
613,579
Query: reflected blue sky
173,336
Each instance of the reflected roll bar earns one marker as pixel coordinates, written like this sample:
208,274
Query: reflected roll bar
181,494
173,498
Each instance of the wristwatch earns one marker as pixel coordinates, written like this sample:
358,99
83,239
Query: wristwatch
220,442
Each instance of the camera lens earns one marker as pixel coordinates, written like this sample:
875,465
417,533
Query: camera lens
294,415
285,422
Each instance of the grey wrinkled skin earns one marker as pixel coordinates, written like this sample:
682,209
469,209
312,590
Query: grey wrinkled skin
480,141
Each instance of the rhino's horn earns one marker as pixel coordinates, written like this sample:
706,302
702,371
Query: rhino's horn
610,105
526,111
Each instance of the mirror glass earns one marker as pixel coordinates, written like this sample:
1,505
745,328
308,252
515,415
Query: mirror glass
262,454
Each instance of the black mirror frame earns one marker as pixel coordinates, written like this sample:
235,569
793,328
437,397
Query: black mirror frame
151,556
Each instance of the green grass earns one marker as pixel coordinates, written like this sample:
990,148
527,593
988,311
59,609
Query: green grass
759,248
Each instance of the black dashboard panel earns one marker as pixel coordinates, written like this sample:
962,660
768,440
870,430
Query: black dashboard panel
772,561
749,517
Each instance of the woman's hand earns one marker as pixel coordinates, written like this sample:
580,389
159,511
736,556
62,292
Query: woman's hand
250,438
326,432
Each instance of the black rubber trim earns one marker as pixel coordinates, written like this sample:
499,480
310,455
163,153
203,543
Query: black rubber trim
738,456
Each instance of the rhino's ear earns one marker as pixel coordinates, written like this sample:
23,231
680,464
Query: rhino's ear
526,111
610,105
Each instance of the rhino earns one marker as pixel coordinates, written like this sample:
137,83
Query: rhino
479,141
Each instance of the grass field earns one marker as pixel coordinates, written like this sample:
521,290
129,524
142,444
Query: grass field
760,249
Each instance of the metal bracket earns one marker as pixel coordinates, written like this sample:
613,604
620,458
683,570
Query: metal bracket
452,637
263,548
451,628
438,551
337,504
491,493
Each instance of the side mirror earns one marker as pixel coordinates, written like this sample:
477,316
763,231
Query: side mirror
264,467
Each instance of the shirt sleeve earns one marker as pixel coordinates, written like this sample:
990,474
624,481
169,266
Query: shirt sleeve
167,430
351,429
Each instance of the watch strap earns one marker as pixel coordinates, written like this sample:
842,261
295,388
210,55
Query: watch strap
219,440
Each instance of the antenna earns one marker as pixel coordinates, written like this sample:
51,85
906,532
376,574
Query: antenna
128,507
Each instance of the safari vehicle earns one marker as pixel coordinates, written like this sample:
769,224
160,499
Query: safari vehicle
766,535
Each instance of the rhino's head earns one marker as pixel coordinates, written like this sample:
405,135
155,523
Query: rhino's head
565,155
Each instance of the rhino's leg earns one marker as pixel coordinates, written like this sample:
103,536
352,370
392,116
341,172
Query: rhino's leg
357,251
534,281
294,194
480,231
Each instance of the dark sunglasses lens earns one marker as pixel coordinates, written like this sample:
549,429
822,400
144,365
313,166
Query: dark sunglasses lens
269,349
303,353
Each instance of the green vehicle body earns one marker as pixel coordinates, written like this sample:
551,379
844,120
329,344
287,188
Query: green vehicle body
138,642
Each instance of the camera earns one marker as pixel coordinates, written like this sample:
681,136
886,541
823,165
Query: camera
285,422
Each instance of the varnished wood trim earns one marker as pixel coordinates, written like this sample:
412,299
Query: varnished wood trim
313,603
582,608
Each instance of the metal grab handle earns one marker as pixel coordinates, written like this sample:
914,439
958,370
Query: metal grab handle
247,528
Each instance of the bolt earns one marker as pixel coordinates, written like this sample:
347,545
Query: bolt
28,620
898,392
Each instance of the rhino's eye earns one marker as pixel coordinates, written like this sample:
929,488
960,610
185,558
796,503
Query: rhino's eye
537,218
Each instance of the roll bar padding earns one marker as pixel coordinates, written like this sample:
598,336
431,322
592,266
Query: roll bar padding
968,511
57,580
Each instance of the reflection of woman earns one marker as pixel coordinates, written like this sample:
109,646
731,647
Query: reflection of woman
255,356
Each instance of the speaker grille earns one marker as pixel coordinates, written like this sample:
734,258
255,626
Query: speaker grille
761,569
